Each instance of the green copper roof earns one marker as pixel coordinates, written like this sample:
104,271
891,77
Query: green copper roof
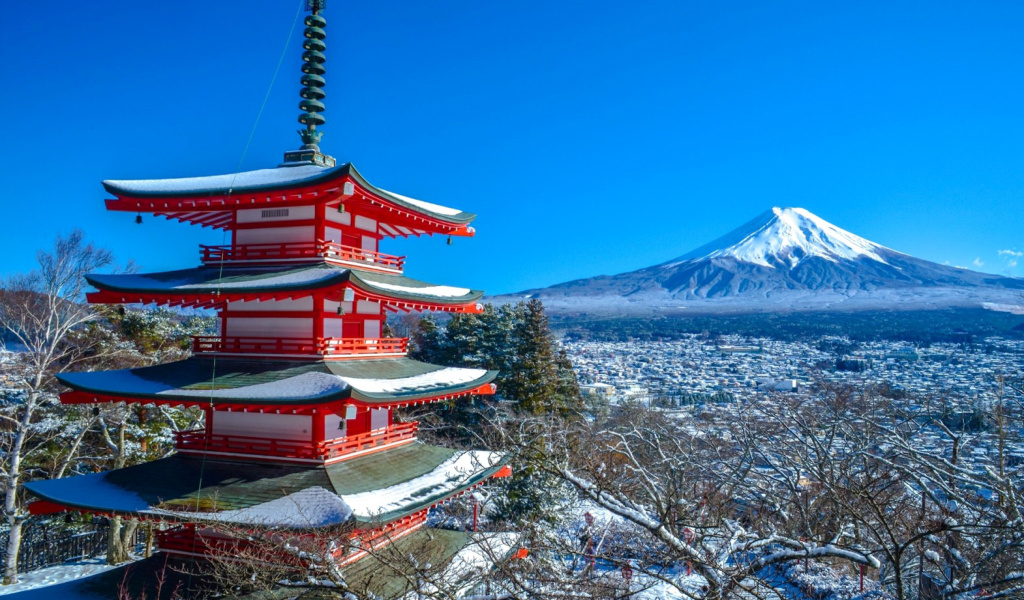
190,488
280,382
272,279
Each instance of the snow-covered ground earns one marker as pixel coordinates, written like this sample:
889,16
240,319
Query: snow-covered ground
42,583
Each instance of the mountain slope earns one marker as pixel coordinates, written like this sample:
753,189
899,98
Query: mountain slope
785,259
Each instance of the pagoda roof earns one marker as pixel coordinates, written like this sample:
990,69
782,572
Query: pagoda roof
299,385
305,179
208,284
366,491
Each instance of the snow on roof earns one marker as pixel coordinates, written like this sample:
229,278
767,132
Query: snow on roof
262,178
311,507
246,279
440,291
452,474
185,280
435,208
449,376
304,386
94,487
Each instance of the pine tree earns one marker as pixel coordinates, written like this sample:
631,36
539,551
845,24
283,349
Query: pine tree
428,342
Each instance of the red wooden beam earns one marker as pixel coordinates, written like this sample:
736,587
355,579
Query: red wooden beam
45,507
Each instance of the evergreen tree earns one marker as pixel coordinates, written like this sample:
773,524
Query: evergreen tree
534,376
428,341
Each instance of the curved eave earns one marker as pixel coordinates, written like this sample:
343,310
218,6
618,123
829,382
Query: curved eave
462,217
395,292
431,501
248,492
230,184
85,392
144,511
231,191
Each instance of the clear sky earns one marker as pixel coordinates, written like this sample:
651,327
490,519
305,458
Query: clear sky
592,137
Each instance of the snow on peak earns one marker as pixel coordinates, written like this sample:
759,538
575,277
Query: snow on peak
785,237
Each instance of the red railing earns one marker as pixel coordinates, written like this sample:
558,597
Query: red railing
318,346
187,539
300,250
336,251
362,346
199,441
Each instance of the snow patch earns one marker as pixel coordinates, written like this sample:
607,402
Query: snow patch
449,376
299,387
311,507
447,477
151,282
1015,309
277,177
434,208
441,291
57,575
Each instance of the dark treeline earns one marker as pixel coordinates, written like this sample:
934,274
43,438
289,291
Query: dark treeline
515,340
962,326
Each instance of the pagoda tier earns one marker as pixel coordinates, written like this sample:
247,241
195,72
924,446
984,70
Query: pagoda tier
315,193
376,495
286,411
290,386
210,286
364,491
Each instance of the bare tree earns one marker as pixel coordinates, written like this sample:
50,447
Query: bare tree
39,311
701,497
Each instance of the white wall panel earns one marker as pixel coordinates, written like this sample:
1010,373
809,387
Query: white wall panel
269,327
276,235
272,305
333,215
368,307
366,223
281,427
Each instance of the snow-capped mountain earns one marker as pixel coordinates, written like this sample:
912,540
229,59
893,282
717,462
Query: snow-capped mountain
785,237
785,259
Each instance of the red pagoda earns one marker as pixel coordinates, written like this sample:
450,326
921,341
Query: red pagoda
299,389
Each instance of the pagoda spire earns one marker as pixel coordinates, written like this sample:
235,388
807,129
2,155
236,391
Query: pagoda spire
312,91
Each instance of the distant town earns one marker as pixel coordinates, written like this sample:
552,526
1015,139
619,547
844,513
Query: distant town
738,366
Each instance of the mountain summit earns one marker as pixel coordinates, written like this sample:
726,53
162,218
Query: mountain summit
786,259
785,237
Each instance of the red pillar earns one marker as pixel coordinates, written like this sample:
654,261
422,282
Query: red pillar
318,427
318,316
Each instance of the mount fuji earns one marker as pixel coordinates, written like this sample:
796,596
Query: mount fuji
786,259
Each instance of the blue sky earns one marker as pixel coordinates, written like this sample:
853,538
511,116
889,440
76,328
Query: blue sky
591,137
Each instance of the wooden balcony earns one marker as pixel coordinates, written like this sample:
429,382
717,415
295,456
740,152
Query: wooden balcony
330,347
332,251
198,442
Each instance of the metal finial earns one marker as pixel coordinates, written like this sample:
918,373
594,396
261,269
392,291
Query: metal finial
312,79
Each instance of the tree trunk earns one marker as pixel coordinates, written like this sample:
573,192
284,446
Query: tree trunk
128,537
149,539
12,510
116,553
13,546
